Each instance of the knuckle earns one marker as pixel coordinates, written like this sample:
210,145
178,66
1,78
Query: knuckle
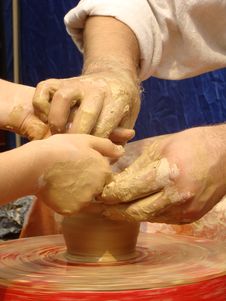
37,100
50,81
62,94
44,83
41,84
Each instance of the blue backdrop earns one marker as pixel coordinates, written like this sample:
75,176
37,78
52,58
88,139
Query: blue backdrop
167,106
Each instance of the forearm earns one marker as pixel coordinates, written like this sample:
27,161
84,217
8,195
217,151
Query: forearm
10,107
176,38
18,173
110,45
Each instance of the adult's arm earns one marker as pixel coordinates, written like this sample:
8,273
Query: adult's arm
125,42
177,39
106,96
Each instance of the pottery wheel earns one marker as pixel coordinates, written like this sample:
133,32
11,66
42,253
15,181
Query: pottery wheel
40,264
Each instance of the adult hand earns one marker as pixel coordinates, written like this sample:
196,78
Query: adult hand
100,103
74,169
177,179
16,111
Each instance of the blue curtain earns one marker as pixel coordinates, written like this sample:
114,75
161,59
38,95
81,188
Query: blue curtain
170,106
167,106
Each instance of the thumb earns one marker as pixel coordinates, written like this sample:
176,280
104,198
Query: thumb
33,128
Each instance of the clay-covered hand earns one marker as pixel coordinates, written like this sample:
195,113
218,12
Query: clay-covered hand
97,104
73,169
177,179
16,111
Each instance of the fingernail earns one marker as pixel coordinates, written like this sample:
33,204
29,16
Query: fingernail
132,134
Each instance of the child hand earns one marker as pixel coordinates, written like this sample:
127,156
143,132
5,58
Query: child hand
74,170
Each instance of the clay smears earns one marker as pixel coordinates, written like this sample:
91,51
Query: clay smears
69,186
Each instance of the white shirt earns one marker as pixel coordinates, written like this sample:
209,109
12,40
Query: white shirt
177,38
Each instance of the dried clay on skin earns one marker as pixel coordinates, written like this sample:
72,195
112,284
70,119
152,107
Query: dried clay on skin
70,186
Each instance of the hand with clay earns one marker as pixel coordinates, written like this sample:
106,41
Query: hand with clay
78,170
105,100
16,111
101,104
177,179
66,171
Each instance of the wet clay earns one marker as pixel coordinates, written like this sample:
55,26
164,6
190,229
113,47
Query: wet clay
148,173
70,186
166,185
91,237
23,122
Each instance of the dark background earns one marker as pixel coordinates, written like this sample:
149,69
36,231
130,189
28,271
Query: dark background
47,51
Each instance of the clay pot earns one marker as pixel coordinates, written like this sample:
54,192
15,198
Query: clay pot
91,237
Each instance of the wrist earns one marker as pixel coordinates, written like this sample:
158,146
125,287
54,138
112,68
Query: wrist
40,157
35,164
20,171
112,65
110,45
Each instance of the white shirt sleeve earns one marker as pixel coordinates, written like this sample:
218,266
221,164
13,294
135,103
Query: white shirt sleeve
177,38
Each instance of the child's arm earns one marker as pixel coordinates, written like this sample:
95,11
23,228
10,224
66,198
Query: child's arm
66,170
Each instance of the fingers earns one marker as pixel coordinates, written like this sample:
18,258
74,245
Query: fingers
102,145
97,113
61,104
110,117
171,215
106,147
142,210
163,207
121,135
43,94
157,208
33,128
129,119
176,214
87,114
137,181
